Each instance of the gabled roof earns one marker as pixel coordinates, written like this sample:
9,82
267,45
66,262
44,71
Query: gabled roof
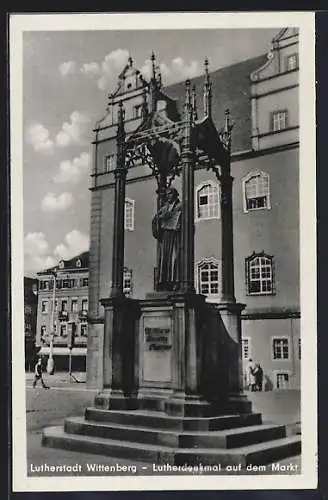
230,89
83,257
284,33
70,263
129,71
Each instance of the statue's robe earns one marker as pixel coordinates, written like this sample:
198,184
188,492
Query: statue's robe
166,229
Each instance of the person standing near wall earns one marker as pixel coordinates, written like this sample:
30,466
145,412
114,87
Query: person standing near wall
251,371
259,376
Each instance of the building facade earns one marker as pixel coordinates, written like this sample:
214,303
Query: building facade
63,308
262,95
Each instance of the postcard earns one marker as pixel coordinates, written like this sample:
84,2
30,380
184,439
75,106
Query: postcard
163,251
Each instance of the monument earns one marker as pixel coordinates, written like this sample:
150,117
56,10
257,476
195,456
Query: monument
172,380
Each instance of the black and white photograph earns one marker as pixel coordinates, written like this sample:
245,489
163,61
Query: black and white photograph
163,251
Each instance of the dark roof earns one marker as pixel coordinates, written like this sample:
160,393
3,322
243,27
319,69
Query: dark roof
70,263
230,89
84,258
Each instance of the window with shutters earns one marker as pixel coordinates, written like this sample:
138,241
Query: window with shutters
74,306
259,272
110,162
207,201
207,280
84,330
280,348
63,330
44,307
278,120
246,348
282,380
127,282
291,62
256,191
129,215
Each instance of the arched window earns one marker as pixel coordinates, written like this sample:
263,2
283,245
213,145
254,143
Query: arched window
256,191
129,215
207,201
207,279
260,274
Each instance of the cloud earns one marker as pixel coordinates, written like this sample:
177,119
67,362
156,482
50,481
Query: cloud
38,136
75,243
73,170
39,257
184,70
74,131
35,243
36,250
106,73
52,203
175,71
92,70
67,68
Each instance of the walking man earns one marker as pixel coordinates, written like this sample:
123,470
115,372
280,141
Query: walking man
38,375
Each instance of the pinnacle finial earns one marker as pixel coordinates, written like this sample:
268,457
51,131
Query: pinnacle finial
121,113
144,104
130,61
206,65
194,102
159,76
207,90
187,97
188,94
227,120
153,64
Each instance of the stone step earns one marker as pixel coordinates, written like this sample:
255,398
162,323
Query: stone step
259,454
256,454
160,420
184,439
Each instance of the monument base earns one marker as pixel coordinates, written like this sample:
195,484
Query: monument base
108,399
186,406
198,407
158,438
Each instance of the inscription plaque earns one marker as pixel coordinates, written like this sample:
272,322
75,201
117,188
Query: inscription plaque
158,339
157,350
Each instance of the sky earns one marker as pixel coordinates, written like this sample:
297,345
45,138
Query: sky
67,76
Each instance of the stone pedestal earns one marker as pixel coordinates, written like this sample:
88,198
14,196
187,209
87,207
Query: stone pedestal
230,315
188,361
119,382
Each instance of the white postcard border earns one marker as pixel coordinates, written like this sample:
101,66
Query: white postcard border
60,22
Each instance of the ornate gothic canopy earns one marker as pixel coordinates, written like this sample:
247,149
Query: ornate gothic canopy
158,140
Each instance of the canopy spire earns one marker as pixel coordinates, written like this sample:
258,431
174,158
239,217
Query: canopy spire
194,102
207,90
187,94
153,66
